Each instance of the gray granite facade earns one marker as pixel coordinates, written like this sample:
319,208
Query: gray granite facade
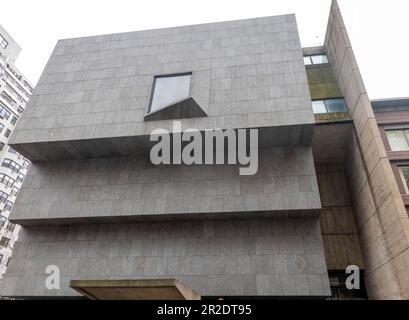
94,205
269,257
93,95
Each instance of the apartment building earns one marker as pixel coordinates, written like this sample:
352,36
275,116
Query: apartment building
15,91
392,116
105,222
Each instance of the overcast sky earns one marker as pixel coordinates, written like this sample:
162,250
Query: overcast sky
378,29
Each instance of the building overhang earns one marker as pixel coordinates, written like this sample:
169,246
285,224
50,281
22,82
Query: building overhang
140,289
331,140
268,136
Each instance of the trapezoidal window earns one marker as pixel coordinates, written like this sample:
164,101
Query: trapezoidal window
168,90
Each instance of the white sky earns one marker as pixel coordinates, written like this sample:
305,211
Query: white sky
379,29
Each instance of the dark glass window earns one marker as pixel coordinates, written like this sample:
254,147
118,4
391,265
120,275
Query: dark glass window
4,241
169,89
6,180
10,226
2,221
3,196
4,113
8,205
14,166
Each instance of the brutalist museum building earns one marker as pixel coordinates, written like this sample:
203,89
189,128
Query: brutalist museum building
117,226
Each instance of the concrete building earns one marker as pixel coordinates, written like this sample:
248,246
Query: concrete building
113,224
15,91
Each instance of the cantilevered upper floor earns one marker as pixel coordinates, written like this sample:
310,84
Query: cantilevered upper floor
103,95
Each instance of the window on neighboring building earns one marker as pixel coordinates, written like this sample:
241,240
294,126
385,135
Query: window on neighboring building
1,257
14,166
315,59
398,139
3,42
7,134
10,226
13,120
4,113
8,205
2,145
329,106
4,241
20,177
6,180
3,196
1,127
168,89
2,221
26,164
14,191
20,110
404,175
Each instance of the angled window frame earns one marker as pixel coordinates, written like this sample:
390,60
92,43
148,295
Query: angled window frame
154,85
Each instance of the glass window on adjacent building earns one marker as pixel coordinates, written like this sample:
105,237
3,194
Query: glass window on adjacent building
315,59
169,89
26,164
329,106
4,113
2,221
1,257
8,205
14,166
4,241
20,177
1,127
3,42
10,226
14,191
7,133
2,145
13,120
404,175
398,139
3,196
6,180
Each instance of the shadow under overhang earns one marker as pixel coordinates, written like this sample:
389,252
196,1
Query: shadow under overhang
186,108
331,140
268,136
